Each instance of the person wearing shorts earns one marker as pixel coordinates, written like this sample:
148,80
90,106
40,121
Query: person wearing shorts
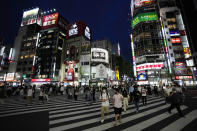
117,103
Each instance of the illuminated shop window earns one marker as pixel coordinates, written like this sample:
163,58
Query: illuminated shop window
49,36
31,55
28,44
21,57
171,20
26,56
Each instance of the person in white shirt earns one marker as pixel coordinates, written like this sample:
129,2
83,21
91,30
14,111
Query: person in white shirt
117,103
144,94
104,97
29,95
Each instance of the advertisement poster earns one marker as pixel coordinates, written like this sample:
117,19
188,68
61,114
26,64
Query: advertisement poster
187,52
180,68
30,17
10,77
99,55
50,20
140,3
141,75
144,17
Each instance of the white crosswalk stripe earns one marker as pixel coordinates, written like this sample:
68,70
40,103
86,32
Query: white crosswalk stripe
77,115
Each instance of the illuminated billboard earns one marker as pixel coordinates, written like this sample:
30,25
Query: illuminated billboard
31,17
50,20
99,55
187,52
190,62
150,16
174,33
141,75
78,29
183,77
149,66
180,68
10,77
176,40
140,3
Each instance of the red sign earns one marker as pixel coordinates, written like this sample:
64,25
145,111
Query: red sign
50,20
40,80
183,77
150,66
176,40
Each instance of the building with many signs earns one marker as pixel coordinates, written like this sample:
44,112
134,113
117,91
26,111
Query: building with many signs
25,45
47,61
160,47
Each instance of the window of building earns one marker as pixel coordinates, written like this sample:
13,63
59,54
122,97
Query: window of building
49,36
26,56
21,57
28,44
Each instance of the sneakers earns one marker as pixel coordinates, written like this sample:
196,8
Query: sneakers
102,121
115,124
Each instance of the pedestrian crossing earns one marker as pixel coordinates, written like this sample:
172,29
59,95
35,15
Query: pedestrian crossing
67,114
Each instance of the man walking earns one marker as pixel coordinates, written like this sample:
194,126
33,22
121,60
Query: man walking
136,95
104,97
131,89
176,100
144,94
117,103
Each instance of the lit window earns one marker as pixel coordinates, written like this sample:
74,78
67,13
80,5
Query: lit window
26,56
31,55
28,44
49,36
21,57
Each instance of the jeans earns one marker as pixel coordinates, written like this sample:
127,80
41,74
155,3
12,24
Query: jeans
144,100
137,105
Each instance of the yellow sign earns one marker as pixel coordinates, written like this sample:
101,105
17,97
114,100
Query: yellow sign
117,74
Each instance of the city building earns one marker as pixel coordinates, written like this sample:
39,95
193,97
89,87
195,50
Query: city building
177,42
47,61
76,55
24,46
147,43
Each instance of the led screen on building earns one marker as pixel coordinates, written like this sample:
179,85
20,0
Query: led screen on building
50,20
141,75
144,17
176,40
30,17
187,52
99,55
180,68
140,3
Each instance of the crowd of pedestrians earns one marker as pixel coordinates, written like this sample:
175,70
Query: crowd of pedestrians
123,96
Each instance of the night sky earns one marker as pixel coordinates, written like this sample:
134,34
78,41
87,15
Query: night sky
107,19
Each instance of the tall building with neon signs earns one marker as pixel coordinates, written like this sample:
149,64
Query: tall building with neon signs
147,43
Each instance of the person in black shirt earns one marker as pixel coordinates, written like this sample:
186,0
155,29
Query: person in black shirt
136,95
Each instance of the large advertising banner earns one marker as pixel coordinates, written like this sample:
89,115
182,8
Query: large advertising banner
50,20
140,3
150,16
187,52
180,68
141,75
149,66
30,17
99,72
99,55
10,77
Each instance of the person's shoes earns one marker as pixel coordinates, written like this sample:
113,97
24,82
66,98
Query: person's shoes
102,121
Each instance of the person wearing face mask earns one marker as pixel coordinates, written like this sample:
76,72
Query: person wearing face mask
104,97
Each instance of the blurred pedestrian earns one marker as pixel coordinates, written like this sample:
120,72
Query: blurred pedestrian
104,97
125,99
137,96
117,104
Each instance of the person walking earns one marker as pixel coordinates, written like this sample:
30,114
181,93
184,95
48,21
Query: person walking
76,92
144,94
131,89
104,97
156,91
89,97
136,95
117,104
29,95
125,100
176,101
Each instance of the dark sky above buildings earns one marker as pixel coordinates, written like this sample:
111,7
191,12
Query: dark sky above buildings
106,18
